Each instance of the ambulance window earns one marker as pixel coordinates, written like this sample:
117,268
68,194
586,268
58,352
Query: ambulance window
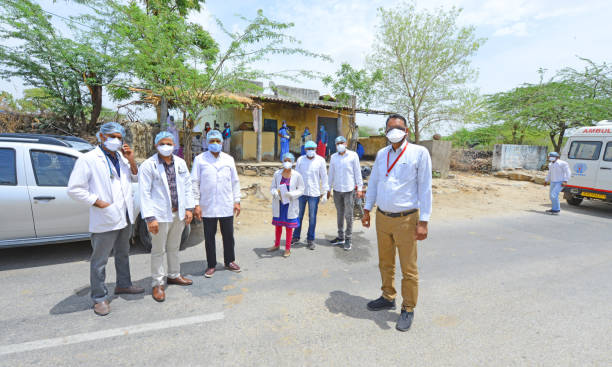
608,153
587,150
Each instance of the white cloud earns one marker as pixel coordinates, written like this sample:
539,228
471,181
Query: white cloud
517,29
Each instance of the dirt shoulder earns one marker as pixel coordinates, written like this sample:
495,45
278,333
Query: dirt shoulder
465,196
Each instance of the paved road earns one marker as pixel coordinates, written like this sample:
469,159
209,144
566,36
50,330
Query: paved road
526,290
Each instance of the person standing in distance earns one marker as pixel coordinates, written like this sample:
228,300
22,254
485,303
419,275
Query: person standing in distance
558,174
102,178
400,185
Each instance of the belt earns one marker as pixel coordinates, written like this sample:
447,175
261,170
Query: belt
174,210
400,214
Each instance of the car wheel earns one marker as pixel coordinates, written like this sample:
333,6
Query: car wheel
144,237
573,200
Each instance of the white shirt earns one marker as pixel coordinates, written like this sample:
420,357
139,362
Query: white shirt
155,199
408,185
345,172
558,171
94,178
296,189
215,184
314,174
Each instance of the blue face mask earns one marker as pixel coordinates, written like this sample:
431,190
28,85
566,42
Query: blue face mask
214,147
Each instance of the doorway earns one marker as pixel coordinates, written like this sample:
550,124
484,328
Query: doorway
331,126
272,125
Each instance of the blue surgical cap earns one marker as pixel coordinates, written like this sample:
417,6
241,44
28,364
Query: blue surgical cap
290,156
310,144
212,134
111,128
340,139
553,154
164,135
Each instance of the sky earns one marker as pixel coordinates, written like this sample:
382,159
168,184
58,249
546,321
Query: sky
522,36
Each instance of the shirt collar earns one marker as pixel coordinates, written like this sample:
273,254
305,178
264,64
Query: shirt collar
400,148
161,160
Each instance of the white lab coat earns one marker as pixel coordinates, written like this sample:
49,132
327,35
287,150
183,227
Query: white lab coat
296,189
155,193
215,183
91,180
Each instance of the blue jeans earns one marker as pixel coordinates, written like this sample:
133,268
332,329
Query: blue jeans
313,206
555,189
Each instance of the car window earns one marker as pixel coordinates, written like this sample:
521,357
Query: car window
587,150
608,152
51,168
8,171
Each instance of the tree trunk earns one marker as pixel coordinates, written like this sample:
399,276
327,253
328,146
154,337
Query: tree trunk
559,144
96,101
354,134
417,135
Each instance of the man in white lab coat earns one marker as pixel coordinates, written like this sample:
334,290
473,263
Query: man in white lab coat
216,191
167,204
102,178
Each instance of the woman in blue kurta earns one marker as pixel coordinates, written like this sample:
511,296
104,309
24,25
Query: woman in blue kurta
285,138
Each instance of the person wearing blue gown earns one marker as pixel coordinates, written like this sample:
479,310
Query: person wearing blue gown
322,142
306,136
285,139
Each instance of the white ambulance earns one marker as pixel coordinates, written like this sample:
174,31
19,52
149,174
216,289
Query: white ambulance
589,155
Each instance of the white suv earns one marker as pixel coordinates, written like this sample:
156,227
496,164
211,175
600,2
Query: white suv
34,205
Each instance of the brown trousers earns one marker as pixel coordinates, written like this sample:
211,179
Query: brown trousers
398,233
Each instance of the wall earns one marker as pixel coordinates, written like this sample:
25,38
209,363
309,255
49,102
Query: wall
372,144
440,152
529,157
244,145
296,116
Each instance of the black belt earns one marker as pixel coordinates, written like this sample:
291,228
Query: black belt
400,214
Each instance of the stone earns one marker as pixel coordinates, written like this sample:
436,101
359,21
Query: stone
517,176
539,180
250,172
501,174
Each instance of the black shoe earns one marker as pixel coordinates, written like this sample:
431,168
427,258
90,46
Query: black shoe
310,245
552,212
294,240
337,241
405,321
347,245
381,304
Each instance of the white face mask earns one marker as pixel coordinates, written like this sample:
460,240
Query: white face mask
552,159
396,135
310,153
287,165
341,148
113,144
165,150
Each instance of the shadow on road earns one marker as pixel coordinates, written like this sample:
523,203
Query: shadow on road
81,301
591,208
340,302
43,255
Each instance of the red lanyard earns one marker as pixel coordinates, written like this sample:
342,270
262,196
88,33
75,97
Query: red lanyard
396,159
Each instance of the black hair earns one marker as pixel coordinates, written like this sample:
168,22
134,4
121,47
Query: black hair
396,116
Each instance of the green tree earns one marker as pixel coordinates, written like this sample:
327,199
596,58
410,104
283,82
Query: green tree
425,59
71,70
7,101
351,87
179,60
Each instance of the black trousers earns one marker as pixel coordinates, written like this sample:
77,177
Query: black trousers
227,233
